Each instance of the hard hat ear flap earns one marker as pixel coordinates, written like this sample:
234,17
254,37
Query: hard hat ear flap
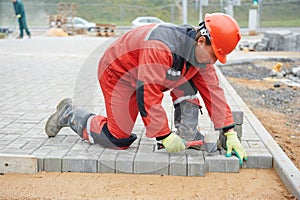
239,35
220,51
221,55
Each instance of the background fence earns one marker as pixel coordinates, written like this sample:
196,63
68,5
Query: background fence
122,12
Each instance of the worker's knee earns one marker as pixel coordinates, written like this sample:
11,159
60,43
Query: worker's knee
106,139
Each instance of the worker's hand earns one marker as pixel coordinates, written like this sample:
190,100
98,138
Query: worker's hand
233,144
173,143
18,16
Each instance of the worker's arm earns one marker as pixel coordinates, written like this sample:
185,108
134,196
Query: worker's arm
219,111
207,83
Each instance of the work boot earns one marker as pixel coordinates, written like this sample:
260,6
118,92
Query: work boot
67,115
186,121
60,118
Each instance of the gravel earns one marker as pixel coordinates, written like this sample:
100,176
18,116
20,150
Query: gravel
280,97
246,70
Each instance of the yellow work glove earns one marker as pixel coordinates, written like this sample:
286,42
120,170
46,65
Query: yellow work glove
18,16
173,143
233,144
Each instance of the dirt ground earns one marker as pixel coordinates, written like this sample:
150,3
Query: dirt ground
277,109
281,126
275,104
247,184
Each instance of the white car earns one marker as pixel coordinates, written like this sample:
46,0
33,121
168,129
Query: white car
140,21
80,23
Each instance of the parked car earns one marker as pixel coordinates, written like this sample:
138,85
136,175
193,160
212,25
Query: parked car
140,21
5,30
80,23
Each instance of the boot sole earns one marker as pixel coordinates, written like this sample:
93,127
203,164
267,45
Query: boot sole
52,126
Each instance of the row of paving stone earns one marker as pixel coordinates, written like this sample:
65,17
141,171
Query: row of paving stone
22,133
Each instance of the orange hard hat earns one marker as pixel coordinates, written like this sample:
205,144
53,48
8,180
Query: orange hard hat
224,34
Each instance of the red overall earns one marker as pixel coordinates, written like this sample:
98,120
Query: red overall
132,76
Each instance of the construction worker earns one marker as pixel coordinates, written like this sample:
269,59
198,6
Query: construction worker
20,14
142,64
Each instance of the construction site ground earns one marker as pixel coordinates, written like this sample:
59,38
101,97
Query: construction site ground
276,104
40,61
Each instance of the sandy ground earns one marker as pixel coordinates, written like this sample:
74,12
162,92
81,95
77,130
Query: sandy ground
247,184
286,136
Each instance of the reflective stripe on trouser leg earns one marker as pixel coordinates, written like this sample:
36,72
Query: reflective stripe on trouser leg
88,130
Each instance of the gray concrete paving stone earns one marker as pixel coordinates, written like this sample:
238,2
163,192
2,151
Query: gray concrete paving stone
151,163
52,164
107,161
196,165
16,151
255,144
124,162
238,116
220,163
79,163
146,148
178,164
258,158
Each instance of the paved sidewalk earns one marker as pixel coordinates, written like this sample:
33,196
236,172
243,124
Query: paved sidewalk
49,69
